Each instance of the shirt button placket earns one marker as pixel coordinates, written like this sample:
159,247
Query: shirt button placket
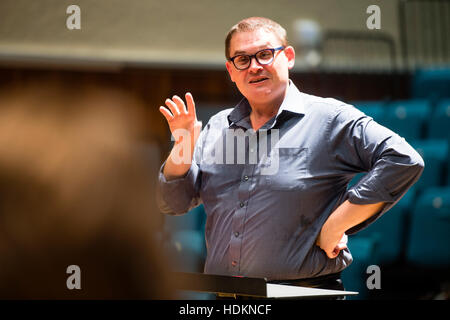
236,241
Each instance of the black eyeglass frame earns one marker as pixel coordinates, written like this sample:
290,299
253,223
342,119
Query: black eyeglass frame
255,56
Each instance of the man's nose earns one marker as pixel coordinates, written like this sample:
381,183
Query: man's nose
254,65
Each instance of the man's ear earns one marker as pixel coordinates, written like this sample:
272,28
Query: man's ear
230,69
290,55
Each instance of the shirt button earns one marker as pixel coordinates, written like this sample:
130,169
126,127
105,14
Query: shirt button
234,263
245,178
236,234
241,204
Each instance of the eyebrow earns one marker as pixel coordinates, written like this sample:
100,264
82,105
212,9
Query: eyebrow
266,46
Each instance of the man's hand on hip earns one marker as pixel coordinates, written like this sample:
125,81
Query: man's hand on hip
332,238
331,243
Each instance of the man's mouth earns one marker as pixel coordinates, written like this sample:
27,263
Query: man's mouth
258,80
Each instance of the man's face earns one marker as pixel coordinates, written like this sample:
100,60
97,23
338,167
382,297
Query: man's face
274,76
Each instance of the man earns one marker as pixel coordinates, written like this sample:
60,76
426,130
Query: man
288,225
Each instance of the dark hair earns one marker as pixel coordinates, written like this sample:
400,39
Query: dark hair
252,24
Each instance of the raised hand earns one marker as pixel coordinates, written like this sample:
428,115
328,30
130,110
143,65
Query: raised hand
180,118
185,128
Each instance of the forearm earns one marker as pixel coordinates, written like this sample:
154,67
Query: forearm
177,196
348,215
175,166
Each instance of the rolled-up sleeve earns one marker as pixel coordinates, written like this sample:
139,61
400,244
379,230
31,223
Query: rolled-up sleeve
179,195
360,144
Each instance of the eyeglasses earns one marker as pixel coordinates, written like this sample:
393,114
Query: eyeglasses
265,56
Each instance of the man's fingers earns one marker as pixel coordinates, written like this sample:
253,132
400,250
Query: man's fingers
190,104
166,113
341,246
173,107
180,104
332,254
177,106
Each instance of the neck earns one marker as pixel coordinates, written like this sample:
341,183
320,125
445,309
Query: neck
262,112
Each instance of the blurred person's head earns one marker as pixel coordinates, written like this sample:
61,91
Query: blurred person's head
261,83
75,190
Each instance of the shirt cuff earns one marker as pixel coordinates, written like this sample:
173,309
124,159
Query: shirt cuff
369,192
183,187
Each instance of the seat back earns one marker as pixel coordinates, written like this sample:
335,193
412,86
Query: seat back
408,118
435,156
439,124
390,228
374,109
430,229
433,84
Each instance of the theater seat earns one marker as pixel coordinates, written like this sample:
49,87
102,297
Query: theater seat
192,220
439,124
391,229
355,179
374,109
435,156
187,251
408,118
448,174
432,84
365,253
185,241
429,232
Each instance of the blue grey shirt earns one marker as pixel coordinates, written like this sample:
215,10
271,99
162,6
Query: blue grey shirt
267,193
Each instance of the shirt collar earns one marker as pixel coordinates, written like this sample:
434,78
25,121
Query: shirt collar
293,103
240,112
